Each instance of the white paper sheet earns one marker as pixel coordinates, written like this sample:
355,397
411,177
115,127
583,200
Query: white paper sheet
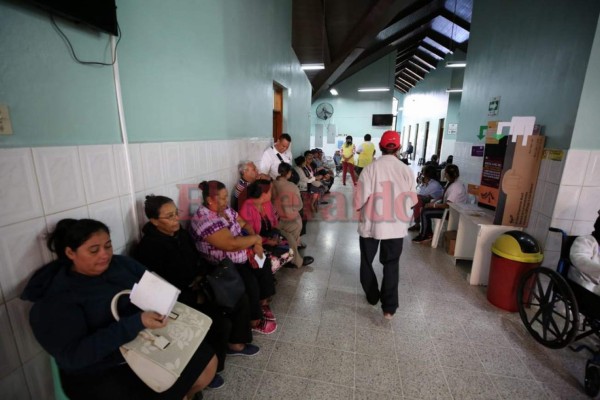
153,293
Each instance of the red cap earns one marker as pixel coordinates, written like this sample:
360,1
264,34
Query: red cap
390,140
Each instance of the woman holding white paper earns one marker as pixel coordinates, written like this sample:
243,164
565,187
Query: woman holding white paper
71,318
218,232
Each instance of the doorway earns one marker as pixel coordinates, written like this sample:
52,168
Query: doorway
425,142
440,137
277,111
416,144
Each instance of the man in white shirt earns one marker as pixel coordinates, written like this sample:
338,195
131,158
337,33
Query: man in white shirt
385,194
275,155
585,259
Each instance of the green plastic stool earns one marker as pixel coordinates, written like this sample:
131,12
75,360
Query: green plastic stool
58,391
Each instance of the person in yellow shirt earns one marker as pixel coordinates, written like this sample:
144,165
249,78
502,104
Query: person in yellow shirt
348,150
366,153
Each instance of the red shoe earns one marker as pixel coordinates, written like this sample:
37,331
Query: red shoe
268,314
265,327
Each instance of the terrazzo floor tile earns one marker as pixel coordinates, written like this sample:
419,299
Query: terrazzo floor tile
240,383
459,355
333,366
371,316
512,388
415,349
336,336
374,342
411,324
258,361
341,294
424,382
291,359
297,330
275,386
502,361
377,374
306,309
366,395
338,313
470,385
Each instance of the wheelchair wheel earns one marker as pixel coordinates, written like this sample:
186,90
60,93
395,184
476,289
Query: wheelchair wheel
592,379
548,307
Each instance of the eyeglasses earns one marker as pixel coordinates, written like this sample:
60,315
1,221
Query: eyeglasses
172,215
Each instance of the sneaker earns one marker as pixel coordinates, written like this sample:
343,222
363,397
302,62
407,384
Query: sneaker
265,327
217,383
422,239
249,350
415,227
268,314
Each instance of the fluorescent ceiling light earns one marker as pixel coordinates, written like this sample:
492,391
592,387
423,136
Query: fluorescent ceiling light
456,64
374,90
454,90
312,66
333,91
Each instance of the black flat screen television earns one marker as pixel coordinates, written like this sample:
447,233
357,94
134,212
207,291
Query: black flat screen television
99,14
383,119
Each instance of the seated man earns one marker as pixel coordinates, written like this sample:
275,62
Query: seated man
429,190
248,174
585,259
320,168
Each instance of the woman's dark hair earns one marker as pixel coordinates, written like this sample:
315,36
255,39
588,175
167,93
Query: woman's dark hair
307,153
210,189
72,233
283,169
450,159
430,172
452,172
258,188
348,137
153,204
367,137
299,160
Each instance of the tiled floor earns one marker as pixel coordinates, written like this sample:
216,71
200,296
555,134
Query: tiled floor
445,342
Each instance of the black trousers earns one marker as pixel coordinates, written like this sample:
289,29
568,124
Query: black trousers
426,215
389,256
259,284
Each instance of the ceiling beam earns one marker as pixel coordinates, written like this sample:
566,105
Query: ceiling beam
365,31
453,18
408,78
426,58
432,49
446,41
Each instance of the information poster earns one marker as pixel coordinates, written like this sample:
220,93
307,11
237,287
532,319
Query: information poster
491,173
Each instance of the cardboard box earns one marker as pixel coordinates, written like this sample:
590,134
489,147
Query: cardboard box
519,178
450,241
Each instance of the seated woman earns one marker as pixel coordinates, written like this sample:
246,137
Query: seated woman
217,231
169,251
309,183
71,318
454,192
258,212
288,204
585,260
429,190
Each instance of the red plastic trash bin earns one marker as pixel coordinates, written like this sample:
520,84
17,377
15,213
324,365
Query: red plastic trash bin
513,253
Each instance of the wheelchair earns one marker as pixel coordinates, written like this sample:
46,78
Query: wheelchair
558,312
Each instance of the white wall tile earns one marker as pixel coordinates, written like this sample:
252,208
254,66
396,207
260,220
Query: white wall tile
564,224
540,188
548,199
109,212
592,173
566,202
121,167
76,213
555,171
20,254
99,176
540,232
130,226
202,161
18,311
172,163
553,242
9,357
20,196
589,204
59,177
152,164
582,228
187,151
551,259
575,167
14,386
39,377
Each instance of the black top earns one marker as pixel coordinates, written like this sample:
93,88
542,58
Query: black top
174,258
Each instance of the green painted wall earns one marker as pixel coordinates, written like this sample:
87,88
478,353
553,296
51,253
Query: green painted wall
585,134
190,70
534,54
353,111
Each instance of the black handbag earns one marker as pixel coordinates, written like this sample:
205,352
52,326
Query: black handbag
224,285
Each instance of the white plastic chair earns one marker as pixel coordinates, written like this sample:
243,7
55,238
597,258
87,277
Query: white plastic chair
438,226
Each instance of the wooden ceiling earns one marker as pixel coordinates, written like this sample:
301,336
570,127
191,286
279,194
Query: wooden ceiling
348,35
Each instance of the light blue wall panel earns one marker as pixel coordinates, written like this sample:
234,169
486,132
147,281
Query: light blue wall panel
190,70
534,55
586,134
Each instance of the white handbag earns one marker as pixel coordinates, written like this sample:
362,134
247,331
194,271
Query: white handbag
158,357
